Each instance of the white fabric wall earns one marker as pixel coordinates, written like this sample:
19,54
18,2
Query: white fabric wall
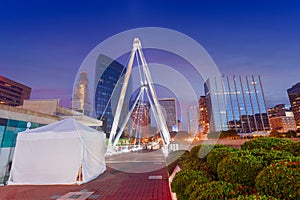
46,161
93,159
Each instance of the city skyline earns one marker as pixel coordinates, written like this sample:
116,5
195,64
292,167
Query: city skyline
43,44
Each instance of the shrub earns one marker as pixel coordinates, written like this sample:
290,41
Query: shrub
265,143
255,197
206,148
172,160
186,161
201,151
240,167
271,156
216,156
195,150
293,148
281,180
191,160
185,177
214,190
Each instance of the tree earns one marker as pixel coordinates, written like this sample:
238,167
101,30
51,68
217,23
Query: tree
274,134
291,134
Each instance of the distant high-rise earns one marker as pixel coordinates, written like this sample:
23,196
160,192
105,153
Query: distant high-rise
169,109
81,97
203,114
294,96
236,103
193,121
13,93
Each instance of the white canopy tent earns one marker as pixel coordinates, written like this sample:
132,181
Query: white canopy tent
64,152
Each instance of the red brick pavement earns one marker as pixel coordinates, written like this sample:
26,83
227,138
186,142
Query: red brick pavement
112,185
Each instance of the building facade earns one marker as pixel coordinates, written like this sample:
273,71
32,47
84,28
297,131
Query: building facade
236,103
13,93
282,124
111,72
281,119
203,115
294,97
277,111
168,106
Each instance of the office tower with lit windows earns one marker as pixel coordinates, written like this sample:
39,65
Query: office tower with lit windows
203,115
13,93
236,103
110,72
294,96
168,106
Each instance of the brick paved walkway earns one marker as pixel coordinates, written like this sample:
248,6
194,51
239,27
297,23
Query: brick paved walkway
112,185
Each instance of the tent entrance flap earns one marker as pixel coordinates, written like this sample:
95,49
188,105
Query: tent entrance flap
79,175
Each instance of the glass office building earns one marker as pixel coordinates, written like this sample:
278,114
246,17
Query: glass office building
110,71
237,103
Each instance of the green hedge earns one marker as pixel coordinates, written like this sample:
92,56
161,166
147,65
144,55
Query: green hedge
281,180
265,143
255,197
240,167
185,177
216,156
213,190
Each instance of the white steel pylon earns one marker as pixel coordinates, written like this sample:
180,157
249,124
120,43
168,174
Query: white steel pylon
146,86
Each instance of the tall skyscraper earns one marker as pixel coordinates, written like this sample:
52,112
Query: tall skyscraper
13,93
203,114
236,103
168,106
111,71
294,96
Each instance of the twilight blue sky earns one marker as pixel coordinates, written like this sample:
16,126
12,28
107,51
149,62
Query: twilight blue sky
42,43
